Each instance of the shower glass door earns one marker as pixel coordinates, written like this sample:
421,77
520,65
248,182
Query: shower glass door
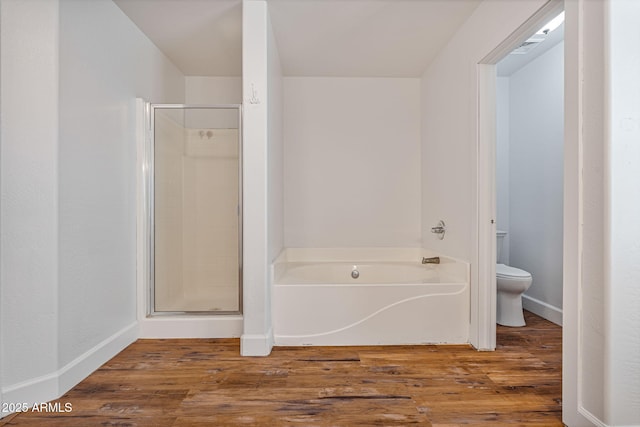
196,209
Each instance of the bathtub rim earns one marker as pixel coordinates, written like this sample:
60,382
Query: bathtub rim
363,255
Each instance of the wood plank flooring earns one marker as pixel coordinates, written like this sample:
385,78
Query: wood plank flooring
200,382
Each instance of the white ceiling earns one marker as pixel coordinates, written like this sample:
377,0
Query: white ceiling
378,38
201,37
363,38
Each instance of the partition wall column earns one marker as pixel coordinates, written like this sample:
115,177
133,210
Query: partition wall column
257,337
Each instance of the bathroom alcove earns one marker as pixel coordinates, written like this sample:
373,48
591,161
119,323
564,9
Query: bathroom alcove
338,116
204,41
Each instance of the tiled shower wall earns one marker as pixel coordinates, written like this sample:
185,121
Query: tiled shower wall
210,217
196,216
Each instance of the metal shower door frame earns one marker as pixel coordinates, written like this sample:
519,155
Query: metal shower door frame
151,205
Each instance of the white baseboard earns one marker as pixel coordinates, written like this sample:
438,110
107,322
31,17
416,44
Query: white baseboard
597,421
592,418
35,390
542,309
191,327
256,344
51,386
81,367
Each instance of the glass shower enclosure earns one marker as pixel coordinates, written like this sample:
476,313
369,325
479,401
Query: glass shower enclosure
196,209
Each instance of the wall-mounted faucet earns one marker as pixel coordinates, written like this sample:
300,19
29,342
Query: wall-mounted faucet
439,229
432,260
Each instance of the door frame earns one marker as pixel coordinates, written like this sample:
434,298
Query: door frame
485,304
202,324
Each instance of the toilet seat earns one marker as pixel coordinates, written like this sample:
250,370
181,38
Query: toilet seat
508,272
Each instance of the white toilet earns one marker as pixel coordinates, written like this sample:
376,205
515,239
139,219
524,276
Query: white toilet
511,283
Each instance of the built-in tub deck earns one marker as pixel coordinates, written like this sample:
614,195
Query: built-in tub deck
392,298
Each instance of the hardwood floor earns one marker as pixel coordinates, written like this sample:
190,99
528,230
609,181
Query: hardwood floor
206,383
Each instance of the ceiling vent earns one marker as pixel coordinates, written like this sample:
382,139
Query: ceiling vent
527,46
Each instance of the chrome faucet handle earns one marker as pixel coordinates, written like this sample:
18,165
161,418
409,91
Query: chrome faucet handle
439,229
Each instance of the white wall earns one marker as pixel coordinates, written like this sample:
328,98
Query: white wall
449,123
213,90
535,181
601,376
105,63
352,162
502,163
29,199
70,74
623,383
275,191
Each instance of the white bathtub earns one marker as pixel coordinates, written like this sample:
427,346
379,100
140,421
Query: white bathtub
394,300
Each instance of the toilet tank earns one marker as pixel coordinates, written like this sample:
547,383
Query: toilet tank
499,239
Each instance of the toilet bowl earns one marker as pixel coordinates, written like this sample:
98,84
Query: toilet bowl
511,283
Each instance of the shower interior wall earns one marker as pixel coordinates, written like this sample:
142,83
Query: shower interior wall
351,162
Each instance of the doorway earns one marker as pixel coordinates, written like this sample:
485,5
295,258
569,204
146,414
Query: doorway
529,165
